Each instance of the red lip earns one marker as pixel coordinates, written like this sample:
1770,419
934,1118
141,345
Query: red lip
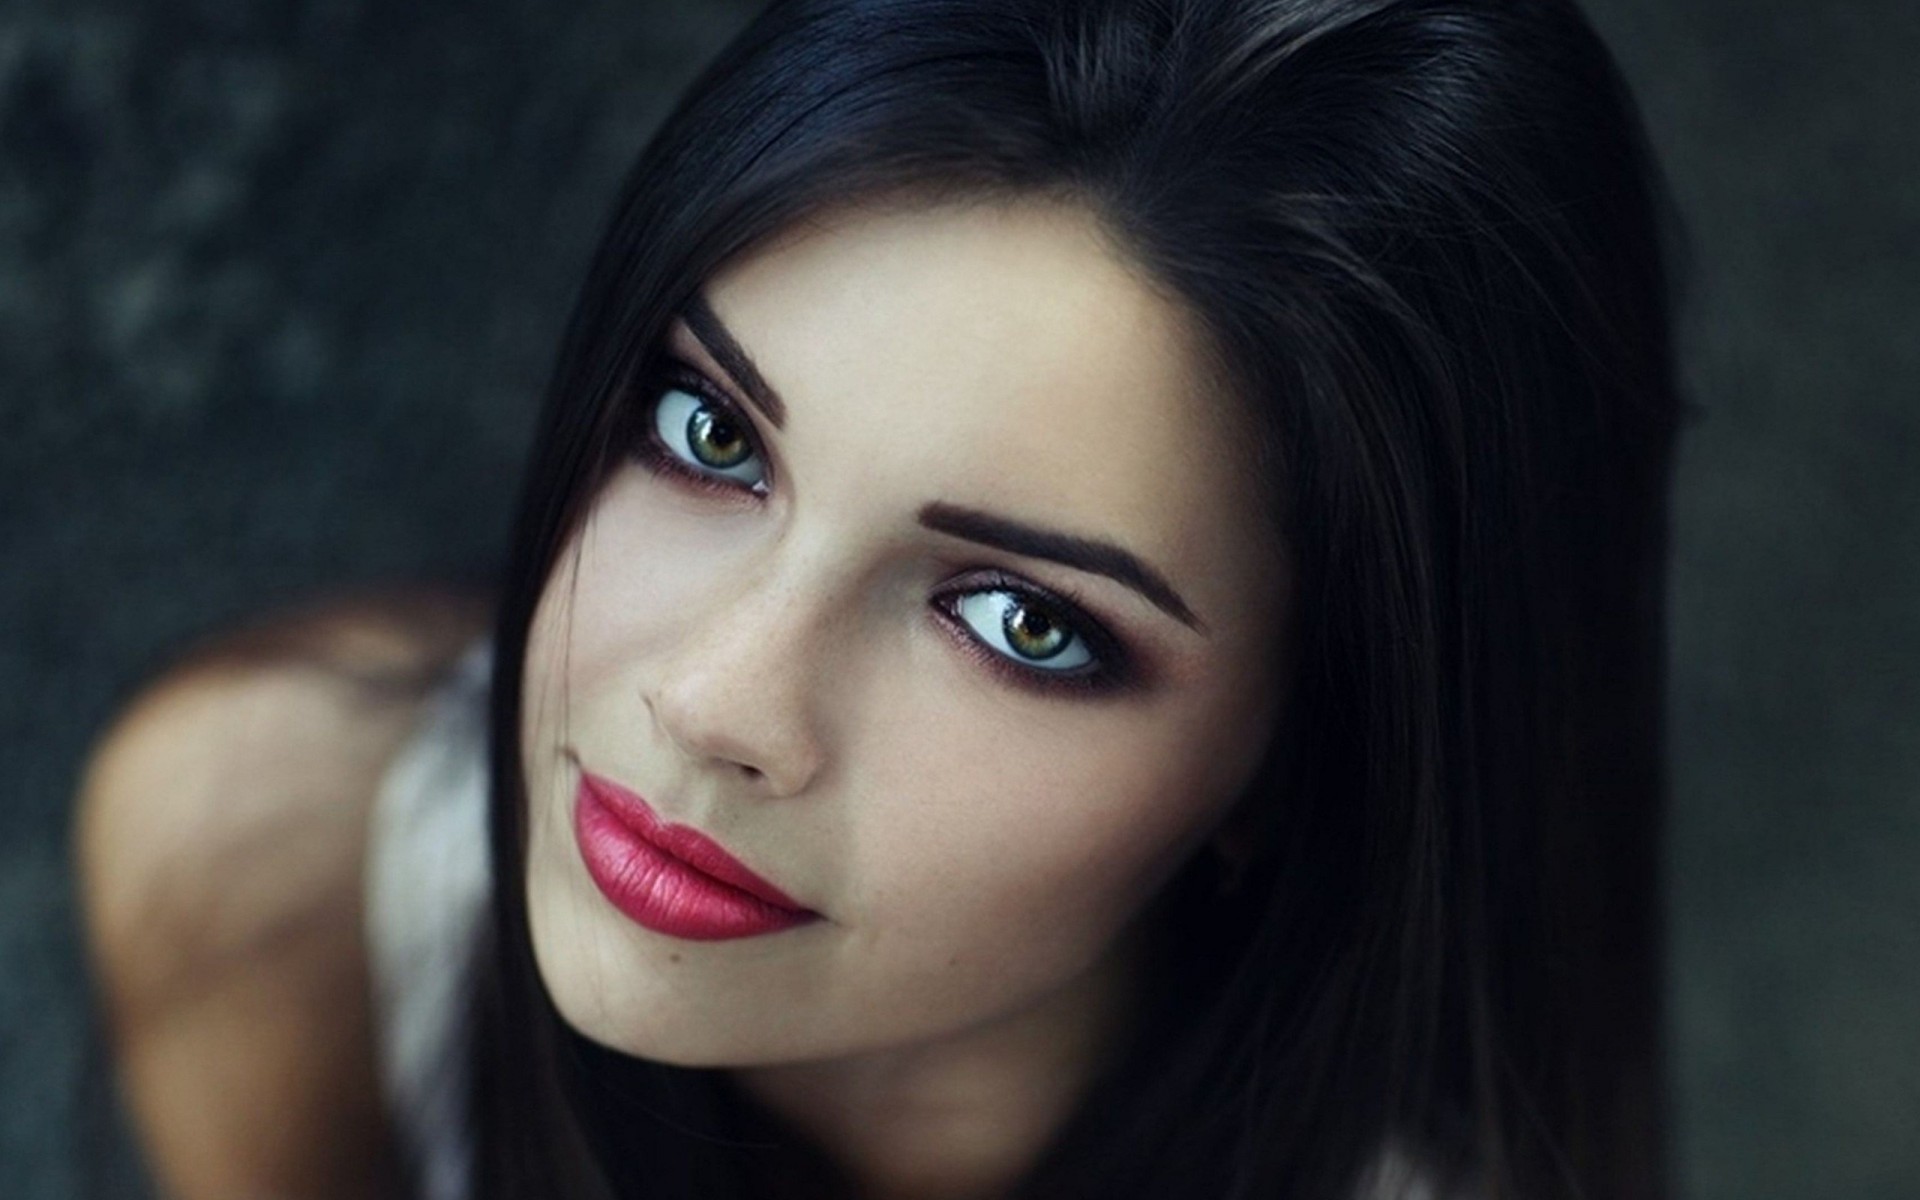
672,878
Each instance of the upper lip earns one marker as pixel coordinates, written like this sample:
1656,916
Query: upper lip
684,842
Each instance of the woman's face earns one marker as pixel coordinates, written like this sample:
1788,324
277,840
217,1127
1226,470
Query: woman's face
848,656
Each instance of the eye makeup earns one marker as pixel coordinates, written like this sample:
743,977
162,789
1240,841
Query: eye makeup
1112,667
646,446
1110,671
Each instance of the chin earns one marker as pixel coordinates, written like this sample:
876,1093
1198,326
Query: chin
679,1039
607,997
602,1011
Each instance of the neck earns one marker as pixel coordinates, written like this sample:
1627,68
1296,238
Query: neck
965,1116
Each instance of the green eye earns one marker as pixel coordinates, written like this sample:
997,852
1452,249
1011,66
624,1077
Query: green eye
705,436
1022,629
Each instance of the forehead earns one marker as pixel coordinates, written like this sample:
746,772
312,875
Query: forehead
1006,355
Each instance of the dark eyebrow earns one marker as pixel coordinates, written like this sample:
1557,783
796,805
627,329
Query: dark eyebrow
1086,554
706,326
975,525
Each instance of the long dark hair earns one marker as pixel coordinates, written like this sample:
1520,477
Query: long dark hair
1427,242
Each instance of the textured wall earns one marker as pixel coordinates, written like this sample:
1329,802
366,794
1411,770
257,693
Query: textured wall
279,284
279,287
1789,132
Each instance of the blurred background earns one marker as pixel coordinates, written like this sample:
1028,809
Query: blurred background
280,283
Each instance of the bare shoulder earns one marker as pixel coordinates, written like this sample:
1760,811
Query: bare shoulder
219,840
232,788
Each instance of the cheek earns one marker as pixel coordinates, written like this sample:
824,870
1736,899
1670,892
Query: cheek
642,561
620,589
1005,841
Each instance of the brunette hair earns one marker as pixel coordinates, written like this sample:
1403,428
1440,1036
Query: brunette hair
1427,244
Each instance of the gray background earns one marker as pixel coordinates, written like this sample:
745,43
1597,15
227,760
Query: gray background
279,283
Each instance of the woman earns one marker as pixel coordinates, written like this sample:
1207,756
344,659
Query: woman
1085,621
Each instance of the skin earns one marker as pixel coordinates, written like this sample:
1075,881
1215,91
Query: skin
219,840
773,669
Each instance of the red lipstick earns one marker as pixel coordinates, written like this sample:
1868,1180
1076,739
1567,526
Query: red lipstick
671,878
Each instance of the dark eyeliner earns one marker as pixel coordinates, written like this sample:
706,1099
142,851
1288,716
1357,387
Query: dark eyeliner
646,446
1112,670
1113,667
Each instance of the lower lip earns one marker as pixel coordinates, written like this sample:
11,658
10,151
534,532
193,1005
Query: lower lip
661,892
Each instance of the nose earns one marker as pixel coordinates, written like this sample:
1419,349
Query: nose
737,694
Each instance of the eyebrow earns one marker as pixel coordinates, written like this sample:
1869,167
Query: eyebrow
1085,554
733,358
1092,555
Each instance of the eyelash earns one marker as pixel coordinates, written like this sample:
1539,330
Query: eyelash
656,457
1111,670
